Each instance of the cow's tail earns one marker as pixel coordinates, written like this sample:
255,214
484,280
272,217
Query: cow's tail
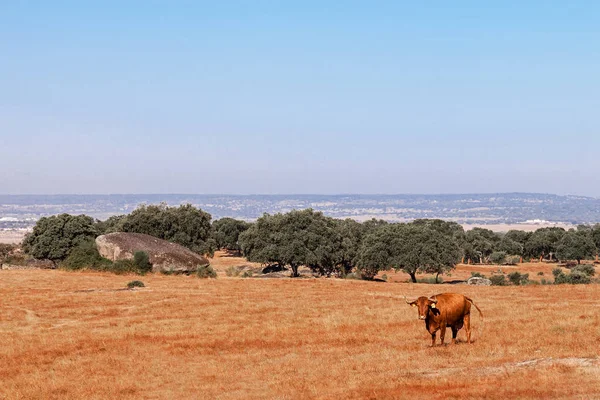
480,314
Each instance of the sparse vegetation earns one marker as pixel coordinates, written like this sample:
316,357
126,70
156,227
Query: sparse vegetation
233,271
247,274
516,278
574,277
498,280
205,271
142,261
134,284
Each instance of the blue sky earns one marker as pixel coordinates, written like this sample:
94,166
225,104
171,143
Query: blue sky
299,97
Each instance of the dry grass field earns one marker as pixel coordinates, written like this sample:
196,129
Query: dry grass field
79,335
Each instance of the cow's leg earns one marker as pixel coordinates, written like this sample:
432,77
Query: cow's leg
454,333
467,320
457,327
442,333
433,339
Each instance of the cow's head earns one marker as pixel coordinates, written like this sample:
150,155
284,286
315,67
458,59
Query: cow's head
425,306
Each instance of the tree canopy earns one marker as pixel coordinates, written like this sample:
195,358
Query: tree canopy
54,237
411,248
575,245
185,225
226,233
296,238
543,242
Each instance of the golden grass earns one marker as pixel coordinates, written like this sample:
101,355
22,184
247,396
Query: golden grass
68,335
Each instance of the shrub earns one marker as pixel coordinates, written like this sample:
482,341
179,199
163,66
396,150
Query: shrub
384,277
498,280
517,278
85,255
585,268
247,274
574,278
6,250
122,267
233,271
134,284
498,257
541,273
205,272
578,277
477,275
512,260
142,261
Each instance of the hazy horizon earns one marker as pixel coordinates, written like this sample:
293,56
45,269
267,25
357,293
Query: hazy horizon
298,194
313,97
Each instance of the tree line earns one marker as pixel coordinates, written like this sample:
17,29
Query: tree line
326,245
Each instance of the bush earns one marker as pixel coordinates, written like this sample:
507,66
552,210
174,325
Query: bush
498,257
142,261
122,267
85,255
517,278
512,260
541,273
247,274
574,278
585,268
233,271
6,250
134,284
384,277
498,280
578,277
477,275
205,272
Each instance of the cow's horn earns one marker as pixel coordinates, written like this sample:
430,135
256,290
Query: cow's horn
405,299
433,299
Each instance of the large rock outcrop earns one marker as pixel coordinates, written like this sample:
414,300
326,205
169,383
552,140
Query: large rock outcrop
164,256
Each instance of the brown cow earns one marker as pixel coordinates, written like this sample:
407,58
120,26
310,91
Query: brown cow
444,310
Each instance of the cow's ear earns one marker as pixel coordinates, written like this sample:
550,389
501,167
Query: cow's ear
432,305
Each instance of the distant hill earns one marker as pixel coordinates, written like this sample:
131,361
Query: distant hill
481,209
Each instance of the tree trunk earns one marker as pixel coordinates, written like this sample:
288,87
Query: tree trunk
578,261
436,277
294,271
413,277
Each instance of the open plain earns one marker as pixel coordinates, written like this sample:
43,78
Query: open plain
82,335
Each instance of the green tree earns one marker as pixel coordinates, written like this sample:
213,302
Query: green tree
480,243
510,246
6,250
185,225
226,233
296,238
54,237
411,248
350,233
595,236
575,245
543,242
518,236
498,257
112,224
